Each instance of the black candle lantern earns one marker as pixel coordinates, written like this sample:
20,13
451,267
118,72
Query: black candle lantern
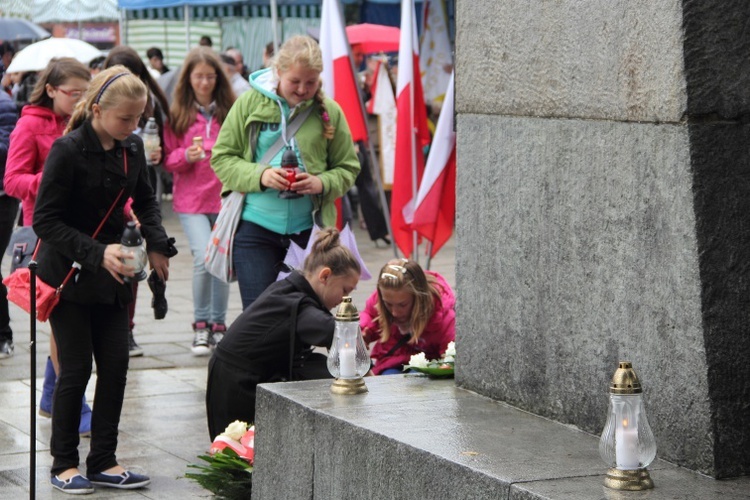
291,167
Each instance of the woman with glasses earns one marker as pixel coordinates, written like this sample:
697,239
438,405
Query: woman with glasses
412,311
59,87
202,99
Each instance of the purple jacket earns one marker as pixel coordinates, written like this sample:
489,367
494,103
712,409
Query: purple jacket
439,331
196,188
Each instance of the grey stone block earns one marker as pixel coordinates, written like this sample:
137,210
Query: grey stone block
413,437
571,58
588,256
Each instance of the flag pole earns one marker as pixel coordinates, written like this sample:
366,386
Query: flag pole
370,150
274,25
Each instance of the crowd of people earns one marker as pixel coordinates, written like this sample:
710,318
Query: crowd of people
77,166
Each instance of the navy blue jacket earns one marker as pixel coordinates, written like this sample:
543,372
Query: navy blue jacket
8,119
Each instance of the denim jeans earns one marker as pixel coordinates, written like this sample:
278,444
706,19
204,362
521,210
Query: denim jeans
80,331
210,294
8,213
257,255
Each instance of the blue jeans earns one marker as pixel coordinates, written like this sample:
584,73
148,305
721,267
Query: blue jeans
210,294
258,254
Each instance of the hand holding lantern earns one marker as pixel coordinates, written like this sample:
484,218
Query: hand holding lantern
132,244
348,359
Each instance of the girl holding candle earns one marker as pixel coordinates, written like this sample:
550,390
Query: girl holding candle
88,176
412,311
202,99
256,348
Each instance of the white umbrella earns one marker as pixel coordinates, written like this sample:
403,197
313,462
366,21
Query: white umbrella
36,56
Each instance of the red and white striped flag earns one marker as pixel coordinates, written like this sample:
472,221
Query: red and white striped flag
435,211
412,133
339,81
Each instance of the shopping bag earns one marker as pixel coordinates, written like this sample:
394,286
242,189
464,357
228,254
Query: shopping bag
219,249
19,292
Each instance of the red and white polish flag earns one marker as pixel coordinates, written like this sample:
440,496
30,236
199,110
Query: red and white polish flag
435,211
412,133
339,81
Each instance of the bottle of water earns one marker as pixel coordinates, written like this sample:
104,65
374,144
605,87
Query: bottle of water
150,137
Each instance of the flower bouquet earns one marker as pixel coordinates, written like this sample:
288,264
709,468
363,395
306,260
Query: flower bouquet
229,473
443,367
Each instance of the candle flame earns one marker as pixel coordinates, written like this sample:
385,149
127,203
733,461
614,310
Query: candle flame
346,344
625,422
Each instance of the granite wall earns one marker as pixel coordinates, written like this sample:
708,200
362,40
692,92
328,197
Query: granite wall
604,213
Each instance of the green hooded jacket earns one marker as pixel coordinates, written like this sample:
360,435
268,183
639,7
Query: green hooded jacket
333,161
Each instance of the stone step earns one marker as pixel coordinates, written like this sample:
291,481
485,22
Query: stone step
422,438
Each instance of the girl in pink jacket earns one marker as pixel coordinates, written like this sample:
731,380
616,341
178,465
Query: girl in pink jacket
59,87
412,311
202,99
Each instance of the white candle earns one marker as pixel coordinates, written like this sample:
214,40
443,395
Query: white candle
626,445
347,361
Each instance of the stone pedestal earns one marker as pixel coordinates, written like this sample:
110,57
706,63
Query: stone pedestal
604,214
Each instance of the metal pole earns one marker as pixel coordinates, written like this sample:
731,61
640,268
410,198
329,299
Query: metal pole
32,384
414,177
274,26
186,14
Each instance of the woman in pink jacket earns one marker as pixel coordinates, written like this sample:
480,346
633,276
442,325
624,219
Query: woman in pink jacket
59,87
202,99
412,311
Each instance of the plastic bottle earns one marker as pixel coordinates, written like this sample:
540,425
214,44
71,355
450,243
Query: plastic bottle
150,137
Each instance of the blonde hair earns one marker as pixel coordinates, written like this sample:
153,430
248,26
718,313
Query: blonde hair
407,275
183,109
304,51
108,89
327,251
57,72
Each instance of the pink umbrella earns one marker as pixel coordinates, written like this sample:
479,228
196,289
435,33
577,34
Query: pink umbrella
374,38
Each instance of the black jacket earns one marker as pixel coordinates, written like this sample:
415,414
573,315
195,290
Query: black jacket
79,184
258,340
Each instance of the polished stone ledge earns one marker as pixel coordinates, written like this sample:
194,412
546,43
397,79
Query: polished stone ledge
414,436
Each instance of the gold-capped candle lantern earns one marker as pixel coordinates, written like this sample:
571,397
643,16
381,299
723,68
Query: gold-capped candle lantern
348,359
627,443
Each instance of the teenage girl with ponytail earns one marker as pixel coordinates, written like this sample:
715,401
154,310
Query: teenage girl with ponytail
256,349
89,175
325,154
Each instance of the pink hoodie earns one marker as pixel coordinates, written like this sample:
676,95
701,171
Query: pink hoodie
439,331
30,143
196,188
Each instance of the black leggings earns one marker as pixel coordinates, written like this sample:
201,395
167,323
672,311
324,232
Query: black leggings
81,331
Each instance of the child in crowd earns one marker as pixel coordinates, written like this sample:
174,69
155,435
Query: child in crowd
156,107
201,102
258,123
411,311
88,176
257,349
59,87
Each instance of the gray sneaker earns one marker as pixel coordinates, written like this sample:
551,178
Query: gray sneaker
6,348
202,339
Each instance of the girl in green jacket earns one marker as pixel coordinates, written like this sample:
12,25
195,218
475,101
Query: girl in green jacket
328,164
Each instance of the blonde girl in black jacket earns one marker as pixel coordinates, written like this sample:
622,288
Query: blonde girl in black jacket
85,171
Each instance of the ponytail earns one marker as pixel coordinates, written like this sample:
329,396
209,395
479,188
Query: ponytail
327,251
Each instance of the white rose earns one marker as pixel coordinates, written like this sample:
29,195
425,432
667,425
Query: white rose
235,430
418,361
450,351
